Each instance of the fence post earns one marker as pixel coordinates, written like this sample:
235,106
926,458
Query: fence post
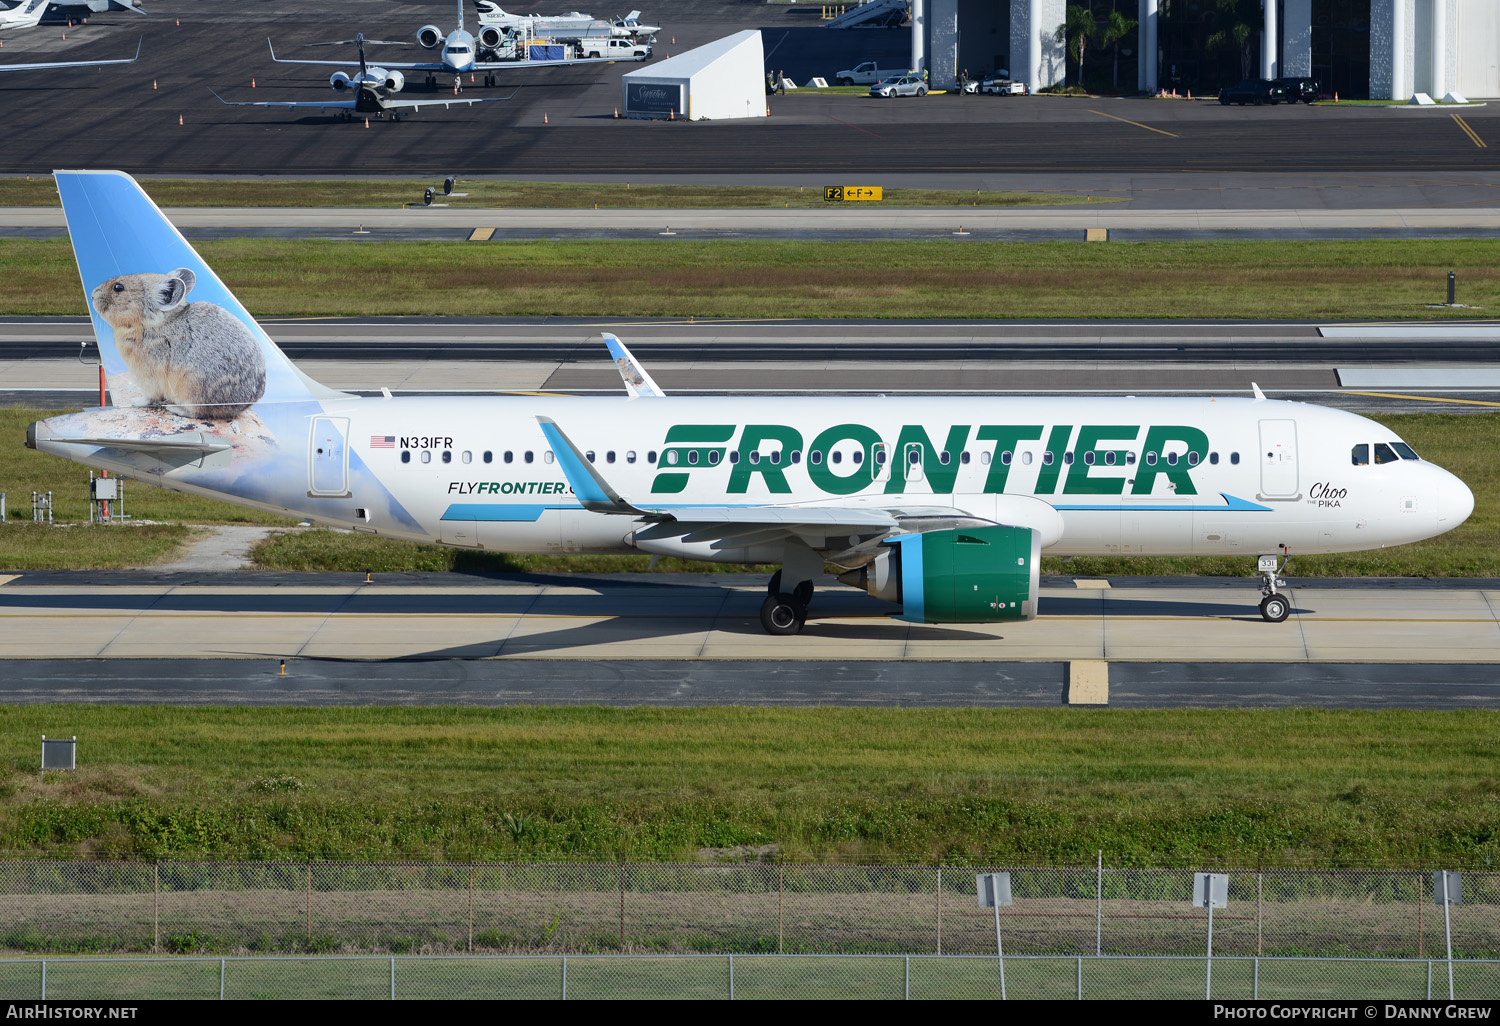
393,977
471,908
565,978
1429,979
44,979
906,990
221,979
1420,947
1255,983
622,905
1259,887
780,902
1080,977
1099,905
155,906
940,910
309,906
731,976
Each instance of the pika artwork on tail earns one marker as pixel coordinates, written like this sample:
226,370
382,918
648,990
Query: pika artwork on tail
196,359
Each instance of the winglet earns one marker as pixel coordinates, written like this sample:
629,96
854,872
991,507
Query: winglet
637,382
590,488
1260,396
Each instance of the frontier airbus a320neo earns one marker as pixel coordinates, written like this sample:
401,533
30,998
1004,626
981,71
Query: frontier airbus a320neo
941,506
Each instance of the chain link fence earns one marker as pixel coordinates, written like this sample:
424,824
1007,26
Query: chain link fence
742,977
262,908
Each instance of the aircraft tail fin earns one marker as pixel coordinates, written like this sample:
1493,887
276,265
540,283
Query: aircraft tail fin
170,333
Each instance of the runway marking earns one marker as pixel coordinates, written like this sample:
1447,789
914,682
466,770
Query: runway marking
1423,398
855,127
1473,135
7,578
1148,128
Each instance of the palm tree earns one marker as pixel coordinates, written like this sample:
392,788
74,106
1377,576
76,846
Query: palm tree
1116,27
1075,33
1237,25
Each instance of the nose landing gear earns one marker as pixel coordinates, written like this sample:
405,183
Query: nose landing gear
1274,607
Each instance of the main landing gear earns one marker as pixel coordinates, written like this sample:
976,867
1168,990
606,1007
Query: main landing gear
785,612
1274,607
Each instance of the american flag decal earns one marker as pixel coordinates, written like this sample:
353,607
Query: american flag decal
382,441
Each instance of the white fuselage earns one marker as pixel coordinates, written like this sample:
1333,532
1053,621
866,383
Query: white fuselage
27,14
1128,476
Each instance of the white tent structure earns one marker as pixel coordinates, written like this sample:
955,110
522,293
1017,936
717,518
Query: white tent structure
720,80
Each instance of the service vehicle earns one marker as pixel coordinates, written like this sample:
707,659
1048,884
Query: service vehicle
903,85
867,73
1252,90
1000,86
619,49
1304,89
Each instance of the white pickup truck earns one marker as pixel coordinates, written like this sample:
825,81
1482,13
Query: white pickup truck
619,49
867,73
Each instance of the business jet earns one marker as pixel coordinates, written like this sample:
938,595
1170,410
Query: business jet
944,507
461,54
374,90
52,65
100,6
27,14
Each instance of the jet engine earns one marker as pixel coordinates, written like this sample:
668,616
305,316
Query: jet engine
429,36
490,36
394,81
960,575
340,81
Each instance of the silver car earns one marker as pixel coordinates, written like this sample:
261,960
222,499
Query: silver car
905,85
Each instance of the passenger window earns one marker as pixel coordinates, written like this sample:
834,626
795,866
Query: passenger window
1005,457
914,457
775,456
754,456
1047,458
509,456
489,457
1088,458
984,459
963,457
816,457
589,456
672,457
879,458
1234,458
426,456
1405,451
1171,459
467,456
1130,459
1109,458
629,455
796,455
693,457
405,455
609,457
1213,458
1067,459
944,458
734,455
1193,459
1385,454
651,456
1360,455
1026,457
858,456
837,456
713,456
1150,459
529,457
447,456
547,456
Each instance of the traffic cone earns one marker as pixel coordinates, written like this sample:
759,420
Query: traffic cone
252,81
153,83
544,118
617,112
179,23
1190,94
367,122
1335,96
671,113
674,40
179,119
65,35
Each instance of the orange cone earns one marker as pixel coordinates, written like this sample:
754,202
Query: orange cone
252,82
367,122
65,35
617,112
179,119
179,23
671,114
153,83
544,117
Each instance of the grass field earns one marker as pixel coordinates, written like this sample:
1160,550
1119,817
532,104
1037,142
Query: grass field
480,193
1377,279
1461,443
1029,784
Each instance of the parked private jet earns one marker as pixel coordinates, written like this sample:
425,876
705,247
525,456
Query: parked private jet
27,14
563,26
942,506
462,54
374,91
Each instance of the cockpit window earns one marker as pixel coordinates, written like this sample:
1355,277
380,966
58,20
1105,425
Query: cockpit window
1385,454
1360,455
1405,451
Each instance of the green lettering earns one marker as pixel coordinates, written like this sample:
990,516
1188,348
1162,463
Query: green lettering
669,483
860,476
1157,440
700,433
1080,479
941,477
1005,438
1057,444
774,473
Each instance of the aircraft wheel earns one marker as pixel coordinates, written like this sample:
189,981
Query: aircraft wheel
1275,608
782,614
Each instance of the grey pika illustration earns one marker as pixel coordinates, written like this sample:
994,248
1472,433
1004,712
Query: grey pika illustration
197,359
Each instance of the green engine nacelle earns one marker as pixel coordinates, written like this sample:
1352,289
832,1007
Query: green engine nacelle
963,575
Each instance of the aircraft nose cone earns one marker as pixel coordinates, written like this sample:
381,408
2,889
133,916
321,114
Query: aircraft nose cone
1455,502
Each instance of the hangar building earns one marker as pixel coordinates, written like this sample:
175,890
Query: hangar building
1378,49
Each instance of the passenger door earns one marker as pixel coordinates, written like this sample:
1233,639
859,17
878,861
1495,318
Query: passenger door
1278,459
328,458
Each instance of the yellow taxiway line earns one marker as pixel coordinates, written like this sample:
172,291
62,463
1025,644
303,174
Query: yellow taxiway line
1148,128
1424,398
1473,135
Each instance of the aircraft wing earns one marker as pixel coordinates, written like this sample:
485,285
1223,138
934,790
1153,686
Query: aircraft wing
72,64
350,104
